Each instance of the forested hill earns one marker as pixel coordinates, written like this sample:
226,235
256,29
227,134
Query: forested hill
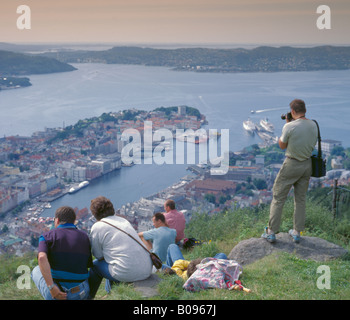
260,59
16,64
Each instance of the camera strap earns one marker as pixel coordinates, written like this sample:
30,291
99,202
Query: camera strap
319,155
127,234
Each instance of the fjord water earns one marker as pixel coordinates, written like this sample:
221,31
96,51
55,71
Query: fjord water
61,99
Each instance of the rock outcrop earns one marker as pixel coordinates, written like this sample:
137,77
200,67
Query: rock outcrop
309,248
148,287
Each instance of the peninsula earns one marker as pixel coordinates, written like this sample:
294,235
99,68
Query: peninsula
14,65
49,162
260,59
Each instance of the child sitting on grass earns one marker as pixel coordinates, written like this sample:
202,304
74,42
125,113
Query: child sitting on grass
176,263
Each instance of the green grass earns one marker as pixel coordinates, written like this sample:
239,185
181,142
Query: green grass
9,277
279,276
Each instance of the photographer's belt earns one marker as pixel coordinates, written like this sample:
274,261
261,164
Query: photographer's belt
296,159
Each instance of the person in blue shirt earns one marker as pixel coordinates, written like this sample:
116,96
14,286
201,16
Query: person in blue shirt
158,240
64,257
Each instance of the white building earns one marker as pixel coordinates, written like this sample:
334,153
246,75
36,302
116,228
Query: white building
78,174
327,145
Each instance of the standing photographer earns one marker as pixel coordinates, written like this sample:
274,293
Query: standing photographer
299,137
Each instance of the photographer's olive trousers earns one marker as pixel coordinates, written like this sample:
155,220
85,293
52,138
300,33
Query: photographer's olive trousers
295,174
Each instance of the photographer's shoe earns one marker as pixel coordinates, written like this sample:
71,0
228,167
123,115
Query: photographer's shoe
269,236
295,235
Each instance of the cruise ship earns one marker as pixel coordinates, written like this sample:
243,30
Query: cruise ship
268,126
249,126
78,187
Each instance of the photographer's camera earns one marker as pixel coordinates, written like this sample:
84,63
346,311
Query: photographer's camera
287,116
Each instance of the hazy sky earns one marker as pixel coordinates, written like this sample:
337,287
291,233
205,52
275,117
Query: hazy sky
176,21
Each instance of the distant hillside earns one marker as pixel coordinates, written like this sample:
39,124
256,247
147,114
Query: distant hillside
15,64
261,59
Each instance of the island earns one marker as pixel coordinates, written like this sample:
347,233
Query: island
14,83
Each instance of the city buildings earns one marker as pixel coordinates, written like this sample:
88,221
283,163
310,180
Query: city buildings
54,158
45,166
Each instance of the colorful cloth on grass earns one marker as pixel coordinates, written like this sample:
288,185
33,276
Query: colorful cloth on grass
213,273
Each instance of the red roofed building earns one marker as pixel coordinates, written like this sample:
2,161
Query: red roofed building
213,186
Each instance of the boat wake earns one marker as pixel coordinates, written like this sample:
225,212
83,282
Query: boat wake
271,109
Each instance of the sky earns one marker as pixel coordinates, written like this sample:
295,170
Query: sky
176,21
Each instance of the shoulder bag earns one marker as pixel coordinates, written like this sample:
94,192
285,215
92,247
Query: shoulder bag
318,163
156,261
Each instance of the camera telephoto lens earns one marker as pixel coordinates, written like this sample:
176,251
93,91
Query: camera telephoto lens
288,116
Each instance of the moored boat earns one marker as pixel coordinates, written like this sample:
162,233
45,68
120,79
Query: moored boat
249,126
78,187
268,126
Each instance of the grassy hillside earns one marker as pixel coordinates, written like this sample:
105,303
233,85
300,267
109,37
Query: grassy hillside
276,277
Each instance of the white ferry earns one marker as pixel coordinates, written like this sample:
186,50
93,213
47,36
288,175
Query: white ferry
249,126
268,126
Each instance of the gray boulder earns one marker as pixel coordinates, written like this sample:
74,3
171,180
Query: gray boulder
309,248
148,287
